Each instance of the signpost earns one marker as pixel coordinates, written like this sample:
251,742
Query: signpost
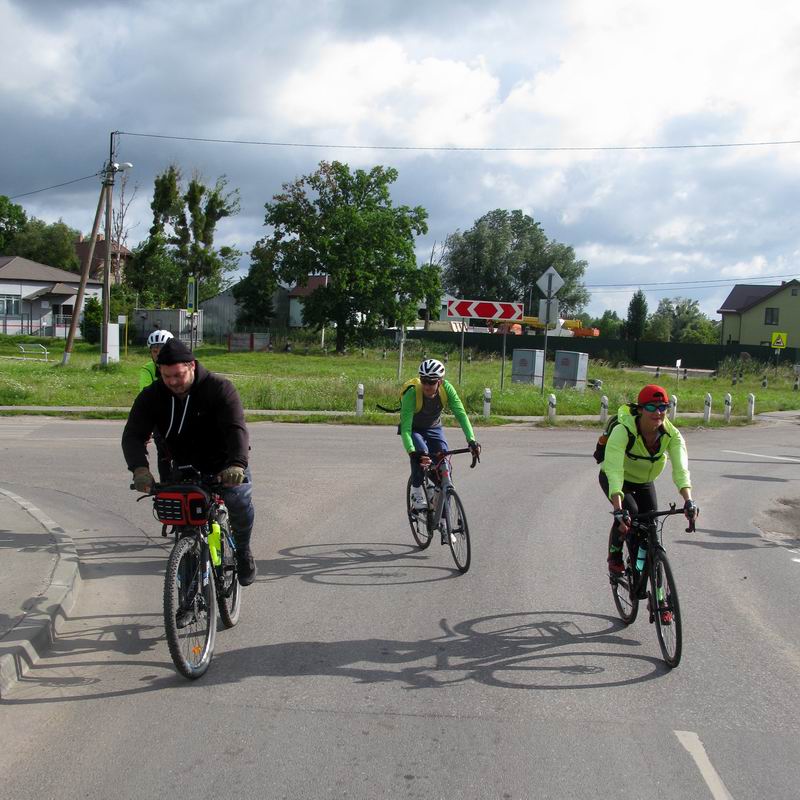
778,342
550,282
483,309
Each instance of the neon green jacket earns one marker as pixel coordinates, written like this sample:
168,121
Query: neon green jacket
147,374
619,466
411,402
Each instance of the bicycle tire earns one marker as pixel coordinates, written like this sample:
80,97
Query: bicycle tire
229,593
623,591
457,531
189,591
419,521
666,610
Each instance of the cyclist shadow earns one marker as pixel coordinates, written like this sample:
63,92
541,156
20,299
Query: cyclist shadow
357,563
545,650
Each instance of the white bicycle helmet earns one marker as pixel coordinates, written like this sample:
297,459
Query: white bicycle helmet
431,368
157,338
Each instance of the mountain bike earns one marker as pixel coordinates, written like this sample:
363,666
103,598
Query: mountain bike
648,575
201,574
444,510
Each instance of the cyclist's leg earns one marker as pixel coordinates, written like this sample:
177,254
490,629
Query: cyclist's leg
434,440
420,446
241,513
615,557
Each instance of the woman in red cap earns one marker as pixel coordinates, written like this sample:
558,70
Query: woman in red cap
635,454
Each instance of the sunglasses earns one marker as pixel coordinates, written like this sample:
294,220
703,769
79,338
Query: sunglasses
429,381
656,407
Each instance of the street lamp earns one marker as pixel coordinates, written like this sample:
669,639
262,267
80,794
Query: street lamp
112,168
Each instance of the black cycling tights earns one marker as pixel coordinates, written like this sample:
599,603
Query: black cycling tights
638,497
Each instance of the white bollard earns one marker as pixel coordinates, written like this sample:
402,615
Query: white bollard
360,399
728,404
673,408
751,407
487,402
603,409
707,409
551,408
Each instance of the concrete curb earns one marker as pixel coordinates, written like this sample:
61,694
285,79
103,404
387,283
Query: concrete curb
23,645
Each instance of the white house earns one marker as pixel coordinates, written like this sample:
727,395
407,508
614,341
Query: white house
37,299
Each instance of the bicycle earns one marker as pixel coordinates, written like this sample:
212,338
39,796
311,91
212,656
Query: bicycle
647,564
444,510
201,576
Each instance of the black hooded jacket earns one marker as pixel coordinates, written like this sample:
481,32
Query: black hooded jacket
206,428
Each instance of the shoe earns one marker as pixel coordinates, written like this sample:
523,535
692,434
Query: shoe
418,501
245,566
666,618
615,566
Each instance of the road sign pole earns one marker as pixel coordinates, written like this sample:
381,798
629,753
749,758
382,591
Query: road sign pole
503,363
546,326
461,358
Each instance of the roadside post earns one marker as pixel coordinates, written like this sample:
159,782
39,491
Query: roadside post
603,409
751,407
707,409
360,399
551,408
487,402
728,403
673,408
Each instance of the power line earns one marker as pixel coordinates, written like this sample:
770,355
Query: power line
527,149
710,282
56,186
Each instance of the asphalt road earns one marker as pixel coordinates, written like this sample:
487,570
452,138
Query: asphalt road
363,668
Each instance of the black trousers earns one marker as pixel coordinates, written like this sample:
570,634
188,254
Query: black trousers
637,497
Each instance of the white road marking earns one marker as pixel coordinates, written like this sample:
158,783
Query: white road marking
796,560
761,455
691,741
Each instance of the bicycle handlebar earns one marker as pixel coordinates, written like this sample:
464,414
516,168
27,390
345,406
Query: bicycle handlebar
645,516
475,456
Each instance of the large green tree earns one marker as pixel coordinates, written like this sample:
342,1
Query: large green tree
503,255
637,316
181,241
343,224
52,244
609,325
254,292
12,220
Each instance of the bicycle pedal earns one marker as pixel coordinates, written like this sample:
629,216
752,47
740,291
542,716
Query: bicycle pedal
164,531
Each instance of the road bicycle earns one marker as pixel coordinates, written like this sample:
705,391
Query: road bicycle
648,575
444,510
201,577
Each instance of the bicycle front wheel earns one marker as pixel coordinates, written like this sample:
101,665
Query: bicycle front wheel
418,520
457,531
229,593
667,611
190,614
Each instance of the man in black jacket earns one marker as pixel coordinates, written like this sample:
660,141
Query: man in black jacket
200,416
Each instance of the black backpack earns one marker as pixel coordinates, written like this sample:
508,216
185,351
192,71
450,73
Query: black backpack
600,447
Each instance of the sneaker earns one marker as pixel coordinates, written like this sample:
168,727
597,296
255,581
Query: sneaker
418,501
666,618
245,566
615,565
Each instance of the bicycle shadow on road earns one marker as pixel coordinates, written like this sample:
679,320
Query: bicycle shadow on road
359,564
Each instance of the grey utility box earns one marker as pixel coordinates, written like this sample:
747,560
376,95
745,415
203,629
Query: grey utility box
570,370
527,366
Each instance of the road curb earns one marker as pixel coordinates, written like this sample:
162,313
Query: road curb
22,647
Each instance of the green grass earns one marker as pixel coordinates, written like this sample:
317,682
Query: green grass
327,382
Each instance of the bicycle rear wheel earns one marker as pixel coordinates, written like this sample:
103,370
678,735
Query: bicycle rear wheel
418,520
457,531
229,593
190,614
623,591
665,608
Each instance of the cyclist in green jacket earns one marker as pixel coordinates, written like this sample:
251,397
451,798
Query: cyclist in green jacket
149,372
422,401
635,455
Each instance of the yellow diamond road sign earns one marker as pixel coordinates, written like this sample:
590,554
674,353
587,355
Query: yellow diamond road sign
779,340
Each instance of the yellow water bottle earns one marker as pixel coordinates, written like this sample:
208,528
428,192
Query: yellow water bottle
214,543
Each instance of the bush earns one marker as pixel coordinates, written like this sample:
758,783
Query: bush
92,320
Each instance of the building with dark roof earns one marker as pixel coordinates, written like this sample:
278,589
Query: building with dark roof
38,299
752,313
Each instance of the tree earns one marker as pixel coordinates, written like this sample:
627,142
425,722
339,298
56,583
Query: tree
254,292
119,229
660,322
503,255
609,325
48,243
701,331
12,220
154,275
343,224
637,316
92,320
182,238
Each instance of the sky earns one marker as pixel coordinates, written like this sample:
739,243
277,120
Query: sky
601,119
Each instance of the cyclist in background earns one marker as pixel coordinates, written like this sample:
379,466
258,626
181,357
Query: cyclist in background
422,400
148,374
149,371
635,455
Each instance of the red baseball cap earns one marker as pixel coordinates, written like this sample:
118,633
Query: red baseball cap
653,394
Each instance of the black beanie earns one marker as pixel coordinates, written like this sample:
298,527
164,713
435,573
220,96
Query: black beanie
175,352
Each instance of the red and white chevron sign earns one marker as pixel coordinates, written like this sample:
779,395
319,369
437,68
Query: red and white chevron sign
484,309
